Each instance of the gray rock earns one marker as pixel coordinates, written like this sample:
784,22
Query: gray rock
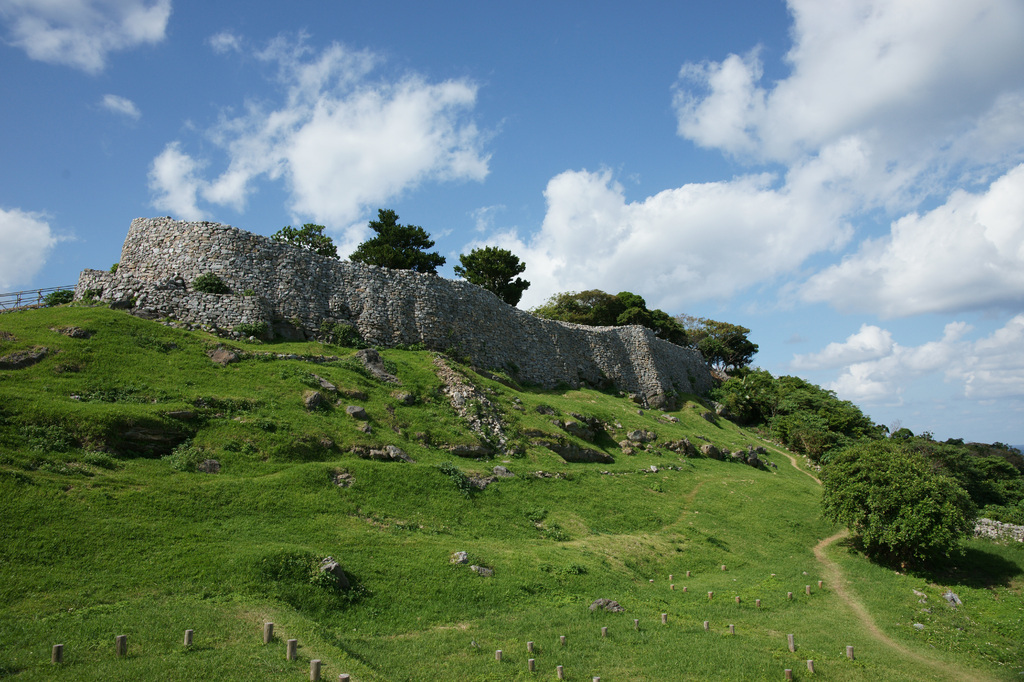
952,598
607,605
577,429
459,558
357,412
918,626
642,436
708,417
571,452
326,385
353,394
544,409
471,451
482,570
209,466
375,365
332,567
72,332
404,397
709,450
24,358
313,400
222,356
502,472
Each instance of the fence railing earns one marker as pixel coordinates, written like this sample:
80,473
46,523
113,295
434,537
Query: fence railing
31,297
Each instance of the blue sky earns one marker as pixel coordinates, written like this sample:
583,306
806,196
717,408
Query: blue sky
846,179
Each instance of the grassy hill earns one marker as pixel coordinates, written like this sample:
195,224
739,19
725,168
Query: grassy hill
108,528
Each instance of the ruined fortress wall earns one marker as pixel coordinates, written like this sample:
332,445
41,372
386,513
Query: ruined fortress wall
298,290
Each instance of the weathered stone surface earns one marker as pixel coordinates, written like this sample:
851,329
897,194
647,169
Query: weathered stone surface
374,364
313,400
459,558
996,530
387,307
389,453
482,570
24,358
357,412
607,605
577,429
209,466
709,450
404,397
326,385
953,598
470,451
545,409
352,394
571,452
73,332
332,567
708,417
502,472
222,356
642,436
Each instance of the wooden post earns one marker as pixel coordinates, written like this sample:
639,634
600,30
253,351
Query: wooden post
820,583
807,589
849,652
121,645
636,624
291,652
344,677
671,587
530,664
710,595
684,589
810,666
651,580
561,640
57,655
723,567
664,619
773,575
737,600
792,644
529,647
707,625
789,595
671,577
188,638
732,629
757,603
604,632
789,674
314,670
497,655
268,633
560,672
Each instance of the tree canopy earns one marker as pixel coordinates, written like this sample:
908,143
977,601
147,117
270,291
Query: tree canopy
399,247
724,345
310,237
493,269
597,308
895,501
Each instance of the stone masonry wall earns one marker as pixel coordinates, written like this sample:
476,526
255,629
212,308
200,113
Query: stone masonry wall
295,291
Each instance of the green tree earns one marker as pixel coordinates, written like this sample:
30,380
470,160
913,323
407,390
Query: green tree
493,269
399,247
725,346
894,500
309,237
597,308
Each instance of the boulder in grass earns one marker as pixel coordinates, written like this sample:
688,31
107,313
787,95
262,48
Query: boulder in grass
209,466
459,558
357,412
482,570
334,569
313,400
606,604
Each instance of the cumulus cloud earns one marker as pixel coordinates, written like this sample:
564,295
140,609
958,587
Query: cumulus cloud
340,141
967,253
27,240
173,179
878,370
698,241
81,33
121,105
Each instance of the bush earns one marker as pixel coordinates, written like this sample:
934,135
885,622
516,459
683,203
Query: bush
257,329
185,457
210,283
892,498
113,268
58,297
456,476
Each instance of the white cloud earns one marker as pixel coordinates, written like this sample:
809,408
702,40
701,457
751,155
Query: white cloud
81,33
225,41
340,141
966,254
121,105
985,369
870,343
27,240
699,241
173,178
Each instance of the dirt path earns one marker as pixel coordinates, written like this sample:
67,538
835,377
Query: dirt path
833,576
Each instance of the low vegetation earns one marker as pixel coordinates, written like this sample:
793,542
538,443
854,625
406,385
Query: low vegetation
114,523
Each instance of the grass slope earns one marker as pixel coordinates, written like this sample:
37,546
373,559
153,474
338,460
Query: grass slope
107,529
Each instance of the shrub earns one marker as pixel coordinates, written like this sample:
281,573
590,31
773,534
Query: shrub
257,329
341,334
185,457
210,283
58,297
892,498
113,268
456,476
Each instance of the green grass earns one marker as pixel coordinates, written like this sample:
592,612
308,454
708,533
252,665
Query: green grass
103,536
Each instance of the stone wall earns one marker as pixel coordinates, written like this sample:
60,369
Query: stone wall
987,528
295,291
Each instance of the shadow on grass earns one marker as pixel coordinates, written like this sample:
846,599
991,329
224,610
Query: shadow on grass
975,568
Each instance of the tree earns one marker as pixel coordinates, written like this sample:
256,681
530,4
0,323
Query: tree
493,269
399,247
597,308
724,345
309,237
896,502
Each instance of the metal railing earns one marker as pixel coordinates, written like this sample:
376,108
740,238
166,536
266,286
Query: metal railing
26,299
